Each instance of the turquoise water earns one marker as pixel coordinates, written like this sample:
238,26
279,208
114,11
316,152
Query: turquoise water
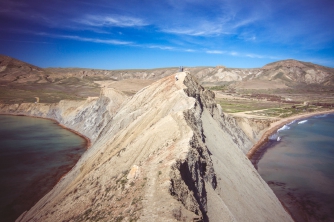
34,154
300,167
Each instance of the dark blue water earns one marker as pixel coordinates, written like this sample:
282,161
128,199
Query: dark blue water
300,167
34,154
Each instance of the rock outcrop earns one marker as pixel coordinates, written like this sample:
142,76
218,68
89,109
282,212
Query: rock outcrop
168,153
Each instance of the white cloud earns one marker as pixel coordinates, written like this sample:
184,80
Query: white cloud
194,32
110,21
215,52
244,22
160,47
84,39
190,50
242,54
225,18
200,28
257,56
254,56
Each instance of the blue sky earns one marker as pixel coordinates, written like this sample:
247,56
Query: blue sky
112,34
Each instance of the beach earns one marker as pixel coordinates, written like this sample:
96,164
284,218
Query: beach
299,166
276,125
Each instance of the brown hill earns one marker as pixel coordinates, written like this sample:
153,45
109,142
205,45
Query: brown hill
16,71
293,71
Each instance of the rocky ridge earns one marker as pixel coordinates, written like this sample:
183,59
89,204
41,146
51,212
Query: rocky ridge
168,153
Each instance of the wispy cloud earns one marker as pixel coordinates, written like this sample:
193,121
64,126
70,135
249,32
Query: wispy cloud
250,55
160,47
196,31
216,27
85,39
244,22
225,18
166,47
190,50
215,52
34,42
258,56
199,28
237,29
242,54
233,53
110,21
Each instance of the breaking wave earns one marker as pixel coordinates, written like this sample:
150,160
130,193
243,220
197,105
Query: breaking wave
275,137
321,116
285,127
303,121
293,121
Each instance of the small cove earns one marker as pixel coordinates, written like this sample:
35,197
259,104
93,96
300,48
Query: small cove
34,154
300,167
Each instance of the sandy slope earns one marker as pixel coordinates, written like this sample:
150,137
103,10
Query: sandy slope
127,85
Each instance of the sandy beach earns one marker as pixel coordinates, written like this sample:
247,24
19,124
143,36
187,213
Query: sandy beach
276,125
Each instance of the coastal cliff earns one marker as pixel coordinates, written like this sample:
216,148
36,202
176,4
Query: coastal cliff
87,117
168,153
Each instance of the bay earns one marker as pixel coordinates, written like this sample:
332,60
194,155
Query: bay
34,154
300,167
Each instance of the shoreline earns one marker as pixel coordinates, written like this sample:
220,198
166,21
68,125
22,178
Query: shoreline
273,129
59,173
87,140
276,125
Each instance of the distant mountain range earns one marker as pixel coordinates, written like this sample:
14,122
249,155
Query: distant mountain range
289,72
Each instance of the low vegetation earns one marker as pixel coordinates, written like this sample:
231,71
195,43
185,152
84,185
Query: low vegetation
71,89
274,104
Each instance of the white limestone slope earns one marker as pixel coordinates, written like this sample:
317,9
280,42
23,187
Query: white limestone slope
166,154
87,117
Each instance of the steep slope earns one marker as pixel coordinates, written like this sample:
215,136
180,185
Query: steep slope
167,154
88,117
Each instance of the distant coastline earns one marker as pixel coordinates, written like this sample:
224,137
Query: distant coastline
276,125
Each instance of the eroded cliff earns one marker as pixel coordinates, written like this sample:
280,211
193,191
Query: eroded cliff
166,154
87,117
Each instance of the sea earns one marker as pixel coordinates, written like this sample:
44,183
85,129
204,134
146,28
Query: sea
298,164
34,154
